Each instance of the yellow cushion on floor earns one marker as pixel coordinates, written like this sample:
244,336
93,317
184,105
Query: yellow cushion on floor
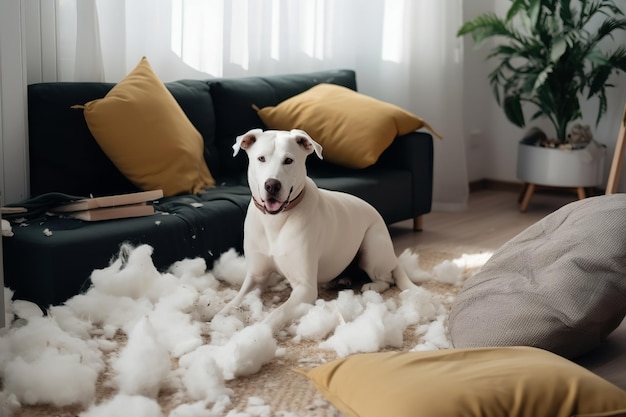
481,382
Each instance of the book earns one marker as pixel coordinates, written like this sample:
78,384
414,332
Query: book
114,212
13,210
109,201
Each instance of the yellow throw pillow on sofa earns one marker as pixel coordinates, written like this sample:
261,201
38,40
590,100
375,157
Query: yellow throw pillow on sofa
354,129
479,382
145,133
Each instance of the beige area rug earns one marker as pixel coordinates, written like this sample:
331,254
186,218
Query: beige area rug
277,389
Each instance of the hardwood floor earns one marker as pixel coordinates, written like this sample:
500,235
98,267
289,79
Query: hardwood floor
491,218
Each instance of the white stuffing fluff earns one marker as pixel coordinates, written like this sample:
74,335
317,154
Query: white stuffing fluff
8,404
420,306
38,380
132,274
70,323
112,312
434,336
7,230
244,354
139,321
188,268
448,272
223,327
143,364
230,267
248,350
43,333
25,309
320,320
125,405
203,379
198,409
176,331
410,262
8,309
349,305
366,333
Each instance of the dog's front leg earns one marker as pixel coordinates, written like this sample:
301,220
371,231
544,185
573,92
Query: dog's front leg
259,270
249,284
301,293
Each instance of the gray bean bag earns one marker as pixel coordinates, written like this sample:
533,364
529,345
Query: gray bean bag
559,285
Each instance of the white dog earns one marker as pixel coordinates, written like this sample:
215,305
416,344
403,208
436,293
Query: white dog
306,234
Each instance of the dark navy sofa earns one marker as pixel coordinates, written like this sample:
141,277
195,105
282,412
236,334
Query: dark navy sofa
49,266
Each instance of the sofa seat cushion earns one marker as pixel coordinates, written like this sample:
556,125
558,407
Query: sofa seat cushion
559,285
187,227
147,135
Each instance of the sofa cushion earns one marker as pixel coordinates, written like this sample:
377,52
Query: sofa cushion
234,97
483,382
354,129
144,131
559,285
64,156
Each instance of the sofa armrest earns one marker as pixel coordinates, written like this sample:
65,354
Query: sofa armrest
414,152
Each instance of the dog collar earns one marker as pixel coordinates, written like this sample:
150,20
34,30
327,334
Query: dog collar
287,206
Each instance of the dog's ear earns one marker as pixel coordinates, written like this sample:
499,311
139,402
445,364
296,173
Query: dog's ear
309,145
246,140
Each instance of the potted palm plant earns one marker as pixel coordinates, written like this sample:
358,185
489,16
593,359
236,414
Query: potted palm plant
549,58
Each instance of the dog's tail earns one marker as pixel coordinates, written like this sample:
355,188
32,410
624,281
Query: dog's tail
401,279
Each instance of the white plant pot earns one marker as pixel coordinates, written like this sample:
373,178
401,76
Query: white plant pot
561,168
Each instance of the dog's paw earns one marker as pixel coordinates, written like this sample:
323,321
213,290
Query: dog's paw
378,286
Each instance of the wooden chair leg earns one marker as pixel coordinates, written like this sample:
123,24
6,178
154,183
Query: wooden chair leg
528,193
582,194
418,223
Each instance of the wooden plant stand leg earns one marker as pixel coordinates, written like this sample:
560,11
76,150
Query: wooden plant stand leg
529,189
418,223
522,193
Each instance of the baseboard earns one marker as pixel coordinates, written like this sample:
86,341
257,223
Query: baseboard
487,184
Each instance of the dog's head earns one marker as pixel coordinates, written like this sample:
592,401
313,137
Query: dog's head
276,165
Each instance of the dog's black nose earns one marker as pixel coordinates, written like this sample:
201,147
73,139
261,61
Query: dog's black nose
272,186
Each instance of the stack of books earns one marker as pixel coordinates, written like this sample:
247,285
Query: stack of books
111,207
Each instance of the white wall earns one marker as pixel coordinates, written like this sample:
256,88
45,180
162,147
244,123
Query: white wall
13,137
477,100
491,139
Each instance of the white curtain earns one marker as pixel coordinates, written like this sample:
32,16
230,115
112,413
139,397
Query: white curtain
404,52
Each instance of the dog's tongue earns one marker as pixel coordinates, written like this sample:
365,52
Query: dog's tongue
273,205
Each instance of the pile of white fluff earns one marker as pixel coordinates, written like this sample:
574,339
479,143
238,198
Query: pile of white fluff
57,358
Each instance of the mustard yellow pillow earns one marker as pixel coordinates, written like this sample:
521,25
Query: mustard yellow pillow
144,132
480,382
354,129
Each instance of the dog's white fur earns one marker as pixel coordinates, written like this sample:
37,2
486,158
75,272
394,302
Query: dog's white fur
310,242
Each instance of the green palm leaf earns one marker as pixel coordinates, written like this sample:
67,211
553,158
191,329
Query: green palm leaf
547,56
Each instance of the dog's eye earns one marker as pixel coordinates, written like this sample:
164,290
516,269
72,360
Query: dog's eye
261,159
288,161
